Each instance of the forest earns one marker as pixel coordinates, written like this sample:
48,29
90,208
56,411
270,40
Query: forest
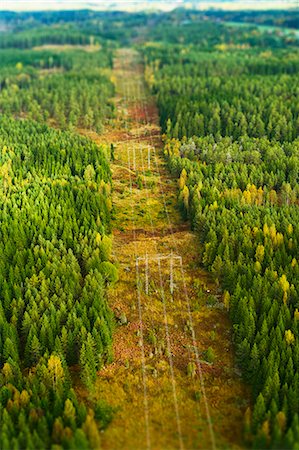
70,89
227,97
55,245
231,124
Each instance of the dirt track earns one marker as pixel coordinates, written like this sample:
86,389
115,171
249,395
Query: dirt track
158,404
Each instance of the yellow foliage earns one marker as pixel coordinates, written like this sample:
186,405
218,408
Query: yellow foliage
98,238
260,253
55,370
233,194
281,420
290,228
16,397
104,188
89,173
247,197
279,239
198,193
15,87
247,417
226,299
259,196
183,178
106,247
6,172
257,267
222,47
109,204
185,196
149,76
285,298
255,231
24,398
69,412
266,429
7,371
184,51
176,147
285,285
214,206
57,430
172,147
266,230
9,405
266,54
91,430
273,197
252,195
247,230
289,337
272,232
294,262
296,314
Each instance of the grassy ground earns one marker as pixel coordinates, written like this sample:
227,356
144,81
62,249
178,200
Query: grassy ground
163,384
67,47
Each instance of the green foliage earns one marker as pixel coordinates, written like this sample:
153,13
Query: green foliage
103,413
225,93
52,299
45,35
240,225
72,90
210,355
226,99
232,142
109,272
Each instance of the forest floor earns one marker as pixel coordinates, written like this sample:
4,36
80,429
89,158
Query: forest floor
165,391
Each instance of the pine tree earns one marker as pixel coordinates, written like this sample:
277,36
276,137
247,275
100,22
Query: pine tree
258,413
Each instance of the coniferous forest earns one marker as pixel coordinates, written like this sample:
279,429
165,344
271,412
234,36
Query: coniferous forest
225,85
231,123
55,242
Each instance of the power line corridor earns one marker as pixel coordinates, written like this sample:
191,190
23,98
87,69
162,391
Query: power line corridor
161,382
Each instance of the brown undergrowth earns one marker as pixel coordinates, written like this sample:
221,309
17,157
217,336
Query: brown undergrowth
154,382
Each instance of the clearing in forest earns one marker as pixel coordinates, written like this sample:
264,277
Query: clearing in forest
173,383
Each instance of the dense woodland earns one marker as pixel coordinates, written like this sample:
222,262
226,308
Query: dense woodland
286,18
231,122
55,245
228,106
69,87
29,29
